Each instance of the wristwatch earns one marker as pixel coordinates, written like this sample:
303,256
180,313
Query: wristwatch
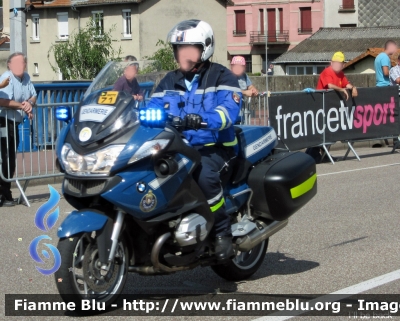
31,102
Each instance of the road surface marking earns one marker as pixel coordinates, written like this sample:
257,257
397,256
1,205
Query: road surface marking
358,169
339,295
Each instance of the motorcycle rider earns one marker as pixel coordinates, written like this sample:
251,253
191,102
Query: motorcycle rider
203,91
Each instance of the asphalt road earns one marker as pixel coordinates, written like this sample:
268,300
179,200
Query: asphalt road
346,235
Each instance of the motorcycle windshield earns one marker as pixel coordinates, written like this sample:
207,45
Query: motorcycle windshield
115,71
110,104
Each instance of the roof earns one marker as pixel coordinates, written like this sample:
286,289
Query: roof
352,41
5,44
373,52
54,3
82,3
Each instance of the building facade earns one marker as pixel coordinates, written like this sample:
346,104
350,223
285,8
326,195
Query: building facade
341,13
281,23
138,25
374,13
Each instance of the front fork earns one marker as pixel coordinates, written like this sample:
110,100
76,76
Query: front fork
107,245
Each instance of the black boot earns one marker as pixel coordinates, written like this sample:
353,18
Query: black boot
223,248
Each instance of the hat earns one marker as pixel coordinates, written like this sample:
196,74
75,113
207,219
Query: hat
338,56
238,60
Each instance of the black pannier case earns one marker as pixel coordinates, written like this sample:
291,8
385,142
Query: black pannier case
283,184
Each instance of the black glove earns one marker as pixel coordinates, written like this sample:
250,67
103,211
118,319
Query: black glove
193,121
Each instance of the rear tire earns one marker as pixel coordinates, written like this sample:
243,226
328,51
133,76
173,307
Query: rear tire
244,265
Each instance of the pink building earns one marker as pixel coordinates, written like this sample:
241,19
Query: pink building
286,22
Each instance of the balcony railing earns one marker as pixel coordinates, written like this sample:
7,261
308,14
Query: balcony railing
350,7
239,33
305,30
273,37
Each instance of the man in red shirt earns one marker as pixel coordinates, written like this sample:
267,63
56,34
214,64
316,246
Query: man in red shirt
334,78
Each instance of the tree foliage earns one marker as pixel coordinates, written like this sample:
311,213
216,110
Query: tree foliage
163,58
85,53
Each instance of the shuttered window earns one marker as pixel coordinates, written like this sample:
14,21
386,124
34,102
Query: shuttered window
62,18
240,19
348,4
305,20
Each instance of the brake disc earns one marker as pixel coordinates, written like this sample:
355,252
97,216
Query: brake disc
92,272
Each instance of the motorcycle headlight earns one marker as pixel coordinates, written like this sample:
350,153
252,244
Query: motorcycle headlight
97,163
149,148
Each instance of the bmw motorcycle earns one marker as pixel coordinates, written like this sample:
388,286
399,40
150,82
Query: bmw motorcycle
128,173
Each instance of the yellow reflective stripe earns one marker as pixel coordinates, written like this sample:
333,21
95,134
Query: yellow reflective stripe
223,118
303,187
233,143
218,205
209,144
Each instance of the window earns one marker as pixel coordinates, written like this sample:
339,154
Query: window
249,64
36,68
240,20
280,20
304,70
62,18
98,20
348,25
127,21
305,20
35,27
347,5
262,21
271,25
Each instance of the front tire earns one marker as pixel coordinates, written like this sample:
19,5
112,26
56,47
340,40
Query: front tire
244,264
80,275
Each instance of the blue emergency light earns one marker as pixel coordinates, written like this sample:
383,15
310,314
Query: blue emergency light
63,113
152,117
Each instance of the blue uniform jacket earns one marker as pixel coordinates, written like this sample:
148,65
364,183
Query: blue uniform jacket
215,95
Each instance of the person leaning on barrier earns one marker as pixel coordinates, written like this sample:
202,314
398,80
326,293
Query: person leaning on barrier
238,68
18,97
334,78
394,73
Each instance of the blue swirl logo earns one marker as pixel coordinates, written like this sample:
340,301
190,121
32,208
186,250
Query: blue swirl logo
46,224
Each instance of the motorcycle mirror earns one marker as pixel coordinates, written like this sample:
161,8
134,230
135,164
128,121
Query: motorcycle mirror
63,113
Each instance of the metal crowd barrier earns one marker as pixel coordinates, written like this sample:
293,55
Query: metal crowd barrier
35,153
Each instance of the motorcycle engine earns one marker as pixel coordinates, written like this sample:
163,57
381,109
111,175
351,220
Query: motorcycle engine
191,229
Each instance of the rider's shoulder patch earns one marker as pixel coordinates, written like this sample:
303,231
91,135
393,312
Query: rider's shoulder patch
236,97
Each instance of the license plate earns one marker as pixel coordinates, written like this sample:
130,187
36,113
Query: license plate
108,98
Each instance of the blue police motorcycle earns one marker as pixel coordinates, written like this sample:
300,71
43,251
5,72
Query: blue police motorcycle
128,173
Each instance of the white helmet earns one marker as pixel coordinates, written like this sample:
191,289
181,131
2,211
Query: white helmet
193,32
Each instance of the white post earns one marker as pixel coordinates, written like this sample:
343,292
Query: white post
17,26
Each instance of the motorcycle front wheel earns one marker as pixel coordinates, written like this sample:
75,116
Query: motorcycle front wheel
80,276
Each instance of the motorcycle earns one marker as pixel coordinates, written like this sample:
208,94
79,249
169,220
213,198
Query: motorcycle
128,173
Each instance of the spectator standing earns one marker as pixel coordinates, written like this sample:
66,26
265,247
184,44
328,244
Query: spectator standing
129,83
394,73
383,64
238,68
16,99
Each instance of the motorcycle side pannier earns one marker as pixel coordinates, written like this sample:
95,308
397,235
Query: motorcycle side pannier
283,184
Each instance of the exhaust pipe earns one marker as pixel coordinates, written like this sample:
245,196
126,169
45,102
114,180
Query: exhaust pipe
264,231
